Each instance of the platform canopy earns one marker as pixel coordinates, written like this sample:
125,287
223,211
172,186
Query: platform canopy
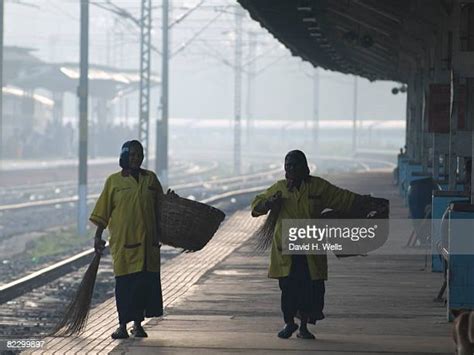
25,71
375,39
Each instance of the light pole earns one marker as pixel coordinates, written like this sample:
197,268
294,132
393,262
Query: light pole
250,83
237,89
161,156
145,63
83,96
2,9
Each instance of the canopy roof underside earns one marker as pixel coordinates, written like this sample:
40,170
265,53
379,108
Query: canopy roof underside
376,39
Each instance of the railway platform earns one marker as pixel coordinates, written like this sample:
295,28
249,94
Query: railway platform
219,300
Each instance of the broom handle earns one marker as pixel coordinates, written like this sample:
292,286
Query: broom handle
99,244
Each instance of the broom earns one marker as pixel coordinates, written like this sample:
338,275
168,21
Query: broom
264,235
77,312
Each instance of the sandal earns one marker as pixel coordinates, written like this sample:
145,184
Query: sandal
304,333
120,333
287,331
138,332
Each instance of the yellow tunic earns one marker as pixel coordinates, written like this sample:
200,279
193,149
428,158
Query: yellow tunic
129,209
306,202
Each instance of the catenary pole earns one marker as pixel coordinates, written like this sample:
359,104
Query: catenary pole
83,97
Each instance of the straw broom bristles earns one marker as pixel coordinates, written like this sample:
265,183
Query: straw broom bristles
77,312
264,235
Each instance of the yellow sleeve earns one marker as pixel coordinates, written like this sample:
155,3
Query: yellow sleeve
156,184
264,196
337,198
103,207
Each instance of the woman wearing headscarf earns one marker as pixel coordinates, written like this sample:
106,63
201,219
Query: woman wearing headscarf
128,207
301,277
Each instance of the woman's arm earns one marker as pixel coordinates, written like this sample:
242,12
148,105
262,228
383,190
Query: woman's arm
264,202
264,206
99,244
100,216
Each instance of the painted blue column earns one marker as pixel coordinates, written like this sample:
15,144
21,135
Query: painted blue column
440,202
402,165
461,257
412,172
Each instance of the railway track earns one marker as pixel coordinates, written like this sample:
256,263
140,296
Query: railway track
20,218
206,184
363,163
24,194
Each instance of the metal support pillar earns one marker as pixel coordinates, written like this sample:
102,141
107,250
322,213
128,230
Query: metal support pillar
470,94
161,156
412,121
455,82
237,89
58,109
145,62
472,165
250,83
408,130
425,135
83,97
2,9
354,116
440,76
418,119
435,158
453,127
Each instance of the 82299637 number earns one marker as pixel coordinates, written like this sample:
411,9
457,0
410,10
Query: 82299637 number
24,344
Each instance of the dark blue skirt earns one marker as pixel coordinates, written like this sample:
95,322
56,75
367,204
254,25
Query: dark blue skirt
299,294
138,295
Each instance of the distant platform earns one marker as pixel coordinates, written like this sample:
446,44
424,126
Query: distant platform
8,165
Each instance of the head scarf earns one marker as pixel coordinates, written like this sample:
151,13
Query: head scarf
264,235
301,169
125,153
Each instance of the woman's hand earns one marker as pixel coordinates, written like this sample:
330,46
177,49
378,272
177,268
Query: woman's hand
366,206
156,239
270,203
171,193
379,205
266,205
99,245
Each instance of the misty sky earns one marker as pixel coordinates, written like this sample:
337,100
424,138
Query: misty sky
201,83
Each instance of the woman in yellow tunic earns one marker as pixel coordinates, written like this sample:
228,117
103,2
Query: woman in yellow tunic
128,206
301,277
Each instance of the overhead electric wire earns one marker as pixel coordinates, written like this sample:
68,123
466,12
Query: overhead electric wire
260,71
61,11
250,61
196,35
186,14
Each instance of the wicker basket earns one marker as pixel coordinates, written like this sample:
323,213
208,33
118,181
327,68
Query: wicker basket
187,224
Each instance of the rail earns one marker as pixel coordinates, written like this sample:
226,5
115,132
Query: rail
69,199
